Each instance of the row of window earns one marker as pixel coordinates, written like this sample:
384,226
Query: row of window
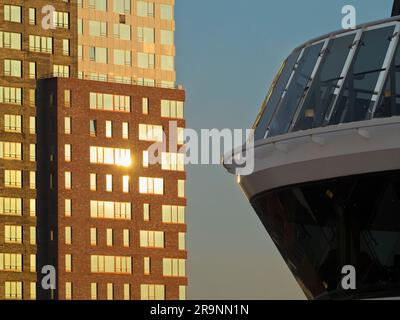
13,290
143,8
13,151
13,262
13,234
13,13
13,124
124,32
124,58
13,179
14,206
101,209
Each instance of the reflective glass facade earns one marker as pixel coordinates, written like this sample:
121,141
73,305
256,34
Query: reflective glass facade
348,77
321,227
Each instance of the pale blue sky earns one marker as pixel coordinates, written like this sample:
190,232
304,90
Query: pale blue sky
228,52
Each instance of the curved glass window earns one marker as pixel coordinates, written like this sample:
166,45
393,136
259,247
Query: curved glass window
275,95
321,227
325,87
389,104
296,89
360,89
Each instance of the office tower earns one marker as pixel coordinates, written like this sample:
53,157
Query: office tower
326,183
28,52
111,224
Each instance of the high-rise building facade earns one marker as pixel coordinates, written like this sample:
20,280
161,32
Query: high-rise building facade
83,198
28,51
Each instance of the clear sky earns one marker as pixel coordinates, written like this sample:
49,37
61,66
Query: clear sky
228,52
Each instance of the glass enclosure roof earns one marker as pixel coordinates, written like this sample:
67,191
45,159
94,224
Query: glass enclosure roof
347,77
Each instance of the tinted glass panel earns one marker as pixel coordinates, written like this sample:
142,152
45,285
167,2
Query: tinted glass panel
321,227
325,85
389,104
296,89
275,95
359,88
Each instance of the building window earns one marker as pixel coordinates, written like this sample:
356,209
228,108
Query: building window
32,207
67,153
173,161
12,123
12,234
10,95
108,129
125,130
167,63
32,235
32,125
149,132
32,152
32,97
67,98
66,47
125,184
11,206
109,233
151,239
10,151
109,182
147,266
32,288
145,34
93,182
32,70
151,185
93,128
122,31
13,290
145,9
111,264
93,291
68,291
110,291
110,156
126,238
32,180
68,180
13,178
174,267
173,214
122,57
68,235
167,37
152,292
100,5
13,68
61,71
110,210
172,109
12,13
146,60
32,16
181,188
182,241
146,212
127,291
97,28
182,292
166,12
68,208
93,236
145,105
11,262
109,102
40,44
61,19
99,55
68,263
32,261
67,125
10,40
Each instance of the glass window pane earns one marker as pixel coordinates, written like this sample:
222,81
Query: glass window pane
325,86
275,94
297,86
359,92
